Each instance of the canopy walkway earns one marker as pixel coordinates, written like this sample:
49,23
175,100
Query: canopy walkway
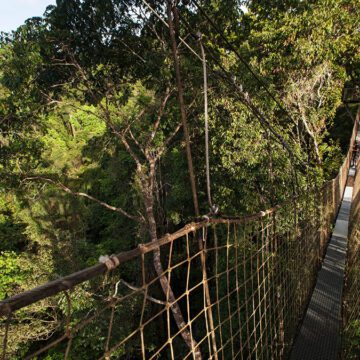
319,334
242,285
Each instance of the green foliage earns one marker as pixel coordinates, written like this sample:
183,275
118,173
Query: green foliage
353,342
89,63
11,273
12,229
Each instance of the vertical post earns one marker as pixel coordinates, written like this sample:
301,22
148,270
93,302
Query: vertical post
202,248
278,289
206,115
172,9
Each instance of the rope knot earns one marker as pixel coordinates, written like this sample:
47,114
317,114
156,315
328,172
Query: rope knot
111,262
214,209
198,36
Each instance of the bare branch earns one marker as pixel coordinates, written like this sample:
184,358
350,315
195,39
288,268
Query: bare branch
158,119
131,287
168,140
122,138
311,133
87,196
136,142
132,51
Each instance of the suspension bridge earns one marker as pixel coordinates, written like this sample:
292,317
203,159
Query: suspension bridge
244,286
281,283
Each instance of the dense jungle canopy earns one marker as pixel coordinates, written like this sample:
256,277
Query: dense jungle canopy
93,157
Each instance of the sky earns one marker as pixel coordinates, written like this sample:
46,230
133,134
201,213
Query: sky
13,13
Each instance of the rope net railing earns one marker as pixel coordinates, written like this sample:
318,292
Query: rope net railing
351,301
228,288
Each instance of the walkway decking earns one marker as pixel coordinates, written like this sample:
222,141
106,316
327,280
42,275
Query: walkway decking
319,337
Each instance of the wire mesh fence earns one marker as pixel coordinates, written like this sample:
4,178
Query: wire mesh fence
223,288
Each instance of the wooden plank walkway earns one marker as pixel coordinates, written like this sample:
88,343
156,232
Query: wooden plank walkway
319,336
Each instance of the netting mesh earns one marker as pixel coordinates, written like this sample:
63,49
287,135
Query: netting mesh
241,294
228,288
351,309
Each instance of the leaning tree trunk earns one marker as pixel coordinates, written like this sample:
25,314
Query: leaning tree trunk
165,285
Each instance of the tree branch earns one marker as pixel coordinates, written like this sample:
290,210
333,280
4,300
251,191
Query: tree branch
87,196
167,141
136,142
158,119
134,288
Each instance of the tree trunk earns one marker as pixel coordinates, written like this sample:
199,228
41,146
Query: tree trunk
165,285
313,138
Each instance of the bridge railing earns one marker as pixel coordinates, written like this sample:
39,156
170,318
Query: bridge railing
333,190
222,288
351,303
